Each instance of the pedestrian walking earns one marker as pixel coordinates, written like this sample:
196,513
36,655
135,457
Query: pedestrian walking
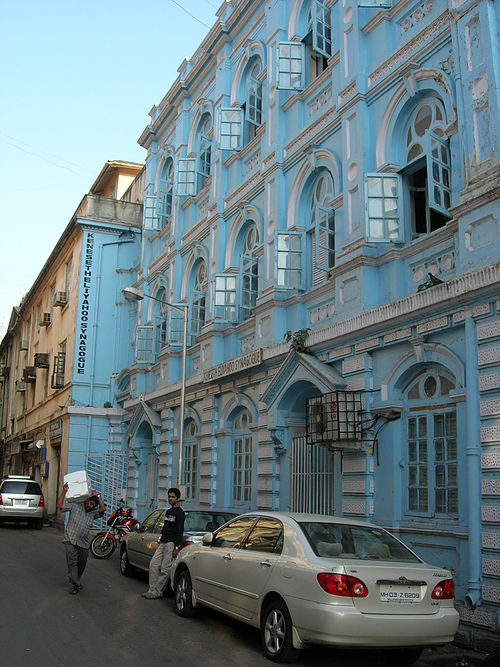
168,548
76,534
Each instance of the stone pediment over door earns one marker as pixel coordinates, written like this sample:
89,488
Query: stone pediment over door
144,412
305,372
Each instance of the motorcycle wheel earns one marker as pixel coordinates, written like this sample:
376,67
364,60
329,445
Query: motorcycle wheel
102,547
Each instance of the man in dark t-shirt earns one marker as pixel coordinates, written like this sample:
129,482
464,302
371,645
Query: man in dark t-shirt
168,548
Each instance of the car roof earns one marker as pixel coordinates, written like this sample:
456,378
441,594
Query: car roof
301,517
19,477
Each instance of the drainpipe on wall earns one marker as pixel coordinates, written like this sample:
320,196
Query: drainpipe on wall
473,454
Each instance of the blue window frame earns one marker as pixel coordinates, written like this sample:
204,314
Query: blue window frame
186,177
144,344
164,195
321,28
150,213
242,459
225,307
230,128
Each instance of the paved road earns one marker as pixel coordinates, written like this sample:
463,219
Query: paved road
109,623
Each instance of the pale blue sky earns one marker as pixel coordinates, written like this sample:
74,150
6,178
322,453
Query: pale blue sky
77,80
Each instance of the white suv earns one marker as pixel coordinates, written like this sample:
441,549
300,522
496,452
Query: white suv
21,499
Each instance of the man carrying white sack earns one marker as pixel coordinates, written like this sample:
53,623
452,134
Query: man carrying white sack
76,534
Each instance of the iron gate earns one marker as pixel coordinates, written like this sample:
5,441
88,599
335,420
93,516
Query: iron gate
311,487
108,473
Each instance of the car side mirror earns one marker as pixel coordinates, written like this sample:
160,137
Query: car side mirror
208,538
137,527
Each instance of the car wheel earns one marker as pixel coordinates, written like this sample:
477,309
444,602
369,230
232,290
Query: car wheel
276,633
402,656
184,595
125,568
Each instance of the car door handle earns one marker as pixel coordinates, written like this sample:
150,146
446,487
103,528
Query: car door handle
227,557
266,563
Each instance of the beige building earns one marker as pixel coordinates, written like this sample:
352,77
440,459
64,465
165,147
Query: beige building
37,355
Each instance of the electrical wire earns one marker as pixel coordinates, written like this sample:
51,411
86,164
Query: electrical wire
191,15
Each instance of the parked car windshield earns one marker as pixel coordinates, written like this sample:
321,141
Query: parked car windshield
331,540
20,486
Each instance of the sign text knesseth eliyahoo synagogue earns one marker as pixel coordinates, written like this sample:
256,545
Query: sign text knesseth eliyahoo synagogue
239,364
83,314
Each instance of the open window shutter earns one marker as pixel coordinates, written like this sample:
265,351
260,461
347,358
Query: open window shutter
160,334
197,311
249,279
325,238
382,208
438,173
321,29
150,213
291,59
164,201
225,298
186,177
254,101
288,260
230,129
175,327
144,343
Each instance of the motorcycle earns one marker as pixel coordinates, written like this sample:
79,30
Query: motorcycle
120,523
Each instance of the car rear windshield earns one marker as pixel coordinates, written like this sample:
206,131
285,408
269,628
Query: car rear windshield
337,540
20,486
206,521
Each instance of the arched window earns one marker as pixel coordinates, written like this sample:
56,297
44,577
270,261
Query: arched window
421,191
249,271
299,63
322,227
190,460
242,459
253,104
432,444
164,195
199,293
205,151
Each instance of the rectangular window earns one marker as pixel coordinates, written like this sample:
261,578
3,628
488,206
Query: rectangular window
225,298
325,238
438,173
150,213
175,327
254,101
418,484
161,337
291,58
58,372
288,260
144,344
433,464
230,129
164,201
186,177
445,463
190,472
197,319
242,470
249,284
321,28
382,206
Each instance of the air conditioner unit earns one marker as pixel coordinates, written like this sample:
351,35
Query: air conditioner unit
334,419
29,374
41,360
20,385
23,345
57,381
45,319
60,298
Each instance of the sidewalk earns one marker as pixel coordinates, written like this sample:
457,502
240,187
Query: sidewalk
452,655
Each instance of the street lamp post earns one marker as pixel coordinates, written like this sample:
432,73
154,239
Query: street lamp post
135,294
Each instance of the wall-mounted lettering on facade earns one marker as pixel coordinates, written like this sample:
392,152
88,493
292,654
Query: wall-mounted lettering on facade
55,429
84,305
228,367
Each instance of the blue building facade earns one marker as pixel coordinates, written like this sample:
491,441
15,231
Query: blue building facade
321,189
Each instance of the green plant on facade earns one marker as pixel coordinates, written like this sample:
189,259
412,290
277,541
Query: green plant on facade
297,340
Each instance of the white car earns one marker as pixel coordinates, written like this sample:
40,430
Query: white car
312,579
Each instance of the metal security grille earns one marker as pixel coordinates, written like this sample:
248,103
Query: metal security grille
311,487
335,419
108,474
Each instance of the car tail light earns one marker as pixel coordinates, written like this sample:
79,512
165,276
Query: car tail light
1,500
342,584
445,590
184,544
41,501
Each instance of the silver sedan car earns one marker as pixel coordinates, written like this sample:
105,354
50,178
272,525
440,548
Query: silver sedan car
312,579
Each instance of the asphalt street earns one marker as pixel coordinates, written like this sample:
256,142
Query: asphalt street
110,623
